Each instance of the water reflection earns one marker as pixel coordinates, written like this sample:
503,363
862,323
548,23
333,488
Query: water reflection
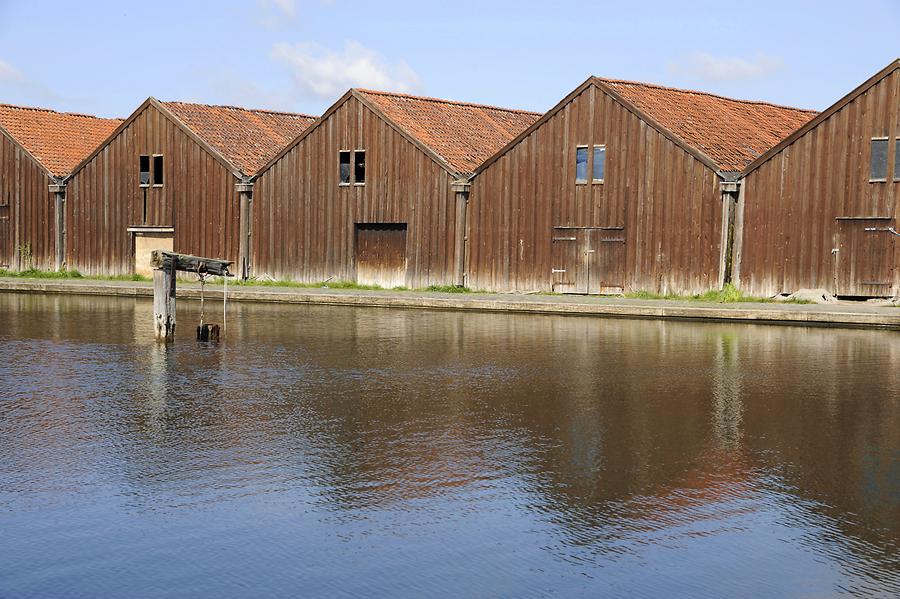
532,454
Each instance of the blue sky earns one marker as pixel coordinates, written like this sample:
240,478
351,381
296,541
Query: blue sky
105,58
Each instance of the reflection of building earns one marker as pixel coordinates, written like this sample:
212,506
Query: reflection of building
603,431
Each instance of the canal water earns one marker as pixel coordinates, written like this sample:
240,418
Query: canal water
333,451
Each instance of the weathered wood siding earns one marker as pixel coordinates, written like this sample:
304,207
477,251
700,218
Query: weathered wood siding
197,198
304,222
665,200
27,225
794,203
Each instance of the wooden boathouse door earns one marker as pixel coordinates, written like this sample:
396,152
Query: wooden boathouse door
864,265
381,254
588,260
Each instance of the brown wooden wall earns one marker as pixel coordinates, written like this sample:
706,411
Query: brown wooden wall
792,202
303,221
667,202
104,198
26,210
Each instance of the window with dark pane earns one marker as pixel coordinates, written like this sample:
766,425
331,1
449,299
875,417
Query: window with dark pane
344,169
879,160
897,159
599,163
581,164
144,164
359,167
157,170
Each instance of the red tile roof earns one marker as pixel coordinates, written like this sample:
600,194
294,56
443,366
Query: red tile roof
463,134
246,138
59,140
730,132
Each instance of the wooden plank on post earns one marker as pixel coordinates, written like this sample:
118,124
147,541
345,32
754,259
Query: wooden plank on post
212,266
164,304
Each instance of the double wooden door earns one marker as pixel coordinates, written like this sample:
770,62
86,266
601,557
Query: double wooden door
864,264
588,260
381,254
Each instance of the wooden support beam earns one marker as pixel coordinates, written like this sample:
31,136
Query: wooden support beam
164,304
462,203
245,191
59,219
213,266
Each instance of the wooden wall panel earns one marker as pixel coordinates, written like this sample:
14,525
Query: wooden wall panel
667,202
792,203
304,221
104,199
27,208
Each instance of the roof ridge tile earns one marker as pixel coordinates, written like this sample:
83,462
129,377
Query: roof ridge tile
445,101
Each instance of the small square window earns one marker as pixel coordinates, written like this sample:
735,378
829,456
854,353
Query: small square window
879,160
144,164
581,164
344,168
599,164
359,167
157,170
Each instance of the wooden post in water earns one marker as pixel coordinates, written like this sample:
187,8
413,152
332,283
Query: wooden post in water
164,303
166,265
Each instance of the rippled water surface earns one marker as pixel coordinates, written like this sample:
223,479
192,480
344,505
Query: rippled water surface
361,452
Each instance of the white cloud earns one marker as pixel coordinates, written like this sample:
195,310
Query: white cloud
323,73
9,74
707,67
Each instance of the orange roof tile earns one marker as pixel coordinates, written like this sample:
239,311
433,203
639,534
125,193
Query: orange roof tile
245,138
463,134
59,140
732,133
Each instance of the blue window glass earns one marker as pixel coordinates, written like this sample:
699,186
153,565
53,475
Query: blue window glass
599,163
581,164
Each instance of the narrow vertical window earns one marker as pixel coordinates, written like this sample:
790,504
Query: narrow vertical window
157,170
599,164
359,167
879,160
581,164
897,159
144,164
344,160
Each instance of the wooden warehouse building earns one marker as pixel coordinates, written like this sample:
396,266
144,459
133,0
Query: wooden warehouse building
817,210
173,176
375,191
622,186
39,148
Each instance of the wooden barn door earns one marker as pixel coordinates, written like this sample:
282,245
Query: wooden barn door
570,274
864,265
607,260
5,241
588,260
381,254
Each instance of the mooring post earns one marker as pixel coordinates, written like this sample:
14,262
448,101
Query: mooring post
166,266
164,302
